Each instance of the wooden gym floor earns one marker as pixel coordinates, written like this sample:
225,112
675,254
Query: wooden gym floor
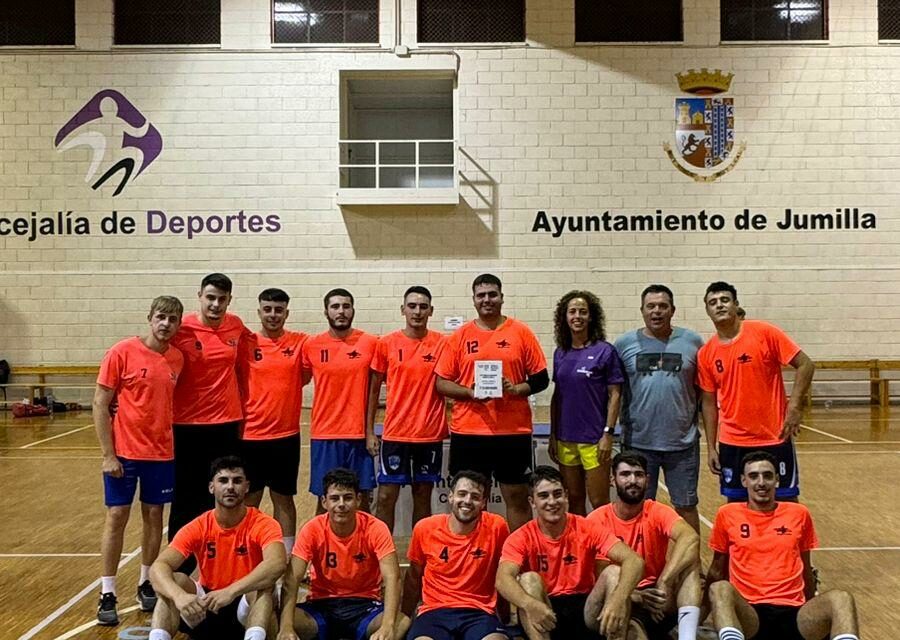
52,515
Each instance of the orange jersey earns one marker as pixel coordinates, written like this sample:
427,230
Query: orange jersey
144,382
566,563
340,369
745,375
764,561
226,555
207,391
459,571
415,410
345,567
647,534
273,371
516,346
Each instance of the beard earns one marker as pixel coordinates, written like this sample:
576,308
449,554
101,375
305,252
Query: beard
628,495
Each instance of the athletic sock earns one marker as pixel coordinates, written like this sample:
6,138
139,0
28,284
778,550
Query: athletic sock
159,634
846,636
108,584
255,633
730,633
289,545
688,620
145,573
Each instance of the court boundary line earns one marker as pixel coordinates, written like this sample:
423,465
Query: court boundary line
93,623
60,435
53,555
825,433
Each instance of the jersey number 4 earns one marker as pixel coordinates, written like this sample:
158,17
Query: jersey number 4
444,554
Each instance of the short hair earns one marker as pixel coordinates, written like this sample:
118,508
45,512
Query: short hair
418,289
341,477
338,292
658,288
219,280
596,325
544,472
632,458
487,278
225,462
721,286
759,456
472,476
274,295
167,305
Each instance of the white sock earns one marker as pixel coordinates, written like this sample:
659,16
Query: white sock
145,573
289,545
255,633
847,636
159,634
730,633
108,584
688,619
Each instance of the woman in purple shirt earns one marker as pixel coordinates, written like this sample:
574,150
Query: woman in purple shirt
588,377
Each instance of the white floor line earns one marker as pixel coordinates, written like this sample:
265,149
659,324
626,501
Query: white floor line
844,452
67,433
52,555
857,549
93,623
51,457
825,433
40,626
703,518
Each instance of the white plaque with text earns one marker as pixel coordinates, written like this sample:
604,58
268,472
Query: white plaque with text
489,379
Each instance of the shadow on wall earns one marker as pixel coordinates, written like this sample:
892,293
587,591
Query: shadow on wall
468,229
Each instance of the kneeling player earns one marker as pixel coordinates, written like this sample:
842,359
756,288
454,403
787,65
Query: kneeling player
668,545
558,552
761,579
351,554
240,554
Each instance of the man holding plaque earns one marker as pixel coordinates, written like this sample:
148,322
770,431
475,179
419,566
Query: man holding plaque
489,368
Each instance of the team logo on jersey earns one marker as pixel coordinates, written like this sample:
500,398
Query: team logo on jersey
650,362
728,474
704,127
479,553
241,550
173,377
782,530
287,352
198,345
353,355
359,557
744,358
570,559
112,114
503,344
428,357
232,342
394,462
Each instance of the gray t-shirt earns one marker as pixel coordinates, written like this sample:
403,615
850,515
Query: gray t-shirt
659,403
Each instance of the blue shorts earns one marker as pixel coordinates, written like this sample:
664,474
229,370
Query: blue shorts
681,470
157,480
408,462
326,455
455,624
731,456
339,618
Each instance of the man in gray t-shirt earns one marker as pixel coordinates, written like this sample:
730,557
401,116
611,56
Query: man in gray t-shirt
659,404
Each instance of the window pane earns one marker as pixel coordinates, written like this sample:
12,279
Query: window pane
435,177
612,21
436,153
31,23
329,21
167,22
292,27
357,153
397,178
326,27
889,19
773,20
471,21
398,152
358,178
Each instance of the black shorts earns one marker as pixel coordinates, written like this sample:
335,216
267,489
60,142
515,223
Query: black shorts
508,459
342,618
455,624
777,621
272,463
569,612
408,462
730,457
654,630
223,625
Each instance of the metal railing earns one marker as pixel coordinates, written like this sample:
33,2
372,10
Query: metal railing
397,164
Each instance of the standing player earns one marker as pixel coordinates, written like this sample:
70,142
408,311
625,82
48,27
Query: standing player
208,410
669,546
270,442
659,412
240,554
453,567
558,551
352,554
761,579
415,424
744,403
493,436
338,360
140,375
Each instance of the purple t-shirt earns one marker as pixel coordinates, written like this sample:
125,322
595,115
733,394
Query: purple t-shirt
581,377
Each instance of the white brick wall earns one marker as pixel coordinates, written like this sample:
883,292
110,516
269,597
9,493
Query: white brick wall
571,130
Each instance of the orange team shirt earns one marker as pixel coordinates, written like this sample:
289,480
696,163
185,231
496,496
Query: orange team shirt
566,563
207,391
345,567
745,375
226,555
459,571
519,350
273,369
415,410
340,370
647,534
144,382
764,561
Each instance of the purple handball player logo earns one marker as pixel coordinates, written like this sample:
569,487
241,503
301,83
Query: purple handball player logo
143,136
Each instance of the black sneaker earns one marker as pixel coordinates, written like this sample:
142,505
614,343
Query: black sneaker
106,610
146,596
